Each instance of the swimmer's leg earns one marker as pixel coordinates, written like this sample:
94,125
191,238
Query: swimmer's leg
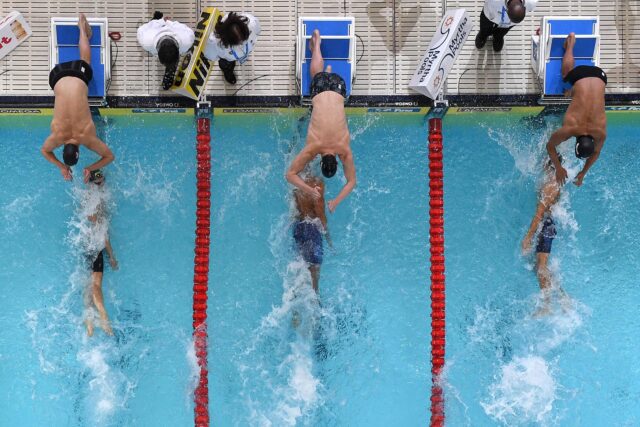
85,35
88,316
568,62
317,62
98,301
544,277
314,269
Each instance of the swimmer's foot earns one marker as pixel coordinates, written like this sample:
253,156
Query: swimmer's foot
542,312
105,325
295,320
315,40
83,24
89,325
570,41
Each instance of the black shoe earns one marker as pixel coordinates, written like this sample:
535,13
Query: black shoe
229,76
498,44
480,42
227,68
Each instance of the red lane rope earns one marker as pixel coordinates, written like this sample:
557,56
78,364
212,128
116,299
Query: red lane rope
201,265
436,233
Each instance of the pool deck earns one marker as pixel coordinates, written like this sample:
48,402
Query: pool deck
395,34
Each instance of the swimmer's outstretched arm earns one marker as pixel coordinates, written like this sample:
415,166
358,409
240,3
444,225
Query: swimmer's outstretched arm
298,164
590,161
349,173
557,138
95,144
47,151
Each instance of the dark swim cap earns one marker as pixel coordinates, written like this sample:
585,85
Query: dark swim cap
70,154
329,165
585,145
96,175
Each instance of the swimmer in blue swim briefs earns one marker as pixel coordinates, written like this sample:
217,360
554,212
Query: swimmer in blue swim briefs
549,195
310,227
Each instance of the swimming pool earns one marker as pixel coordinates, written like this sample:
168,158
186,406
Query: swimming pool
360,357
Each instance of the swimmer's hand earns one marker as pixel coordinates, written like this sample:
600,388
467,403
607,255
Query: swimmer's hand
114,264
579,178
87,174
315,192
526,246
332,204
66,173
561,175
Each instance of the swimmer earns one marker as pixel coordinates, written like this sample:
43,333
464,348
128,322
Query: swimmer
549,195
328,134
72,125
585,118
93,293
309,227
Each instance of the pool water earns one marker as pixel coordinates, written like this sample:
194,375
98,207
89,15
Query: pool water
359,355
578,366
51,373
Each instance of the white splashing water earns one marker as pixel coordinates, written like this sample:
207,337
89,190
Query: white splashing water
524,392
285,394
103,390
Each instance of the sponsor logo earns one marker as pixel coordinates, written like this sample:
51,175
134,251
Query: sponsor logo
393,110
484,109
158,110
19,111
246,110
624,108
192,75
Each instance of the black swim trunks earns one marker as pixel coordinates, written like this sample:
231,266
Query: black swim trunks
546,236
97,266
78,68
324,81
583,72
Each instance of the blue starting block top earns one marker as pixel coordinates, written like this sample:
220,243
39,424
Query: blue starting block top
68,37
584,51
336,47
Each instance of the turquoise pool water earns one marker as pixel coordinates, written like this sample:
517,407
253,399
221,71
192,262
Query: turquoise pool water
360,356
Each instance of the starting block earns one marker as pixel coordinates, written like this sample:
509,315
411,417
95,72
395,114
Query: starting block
194,68
338,49
548,49
65,36
13,31
445,46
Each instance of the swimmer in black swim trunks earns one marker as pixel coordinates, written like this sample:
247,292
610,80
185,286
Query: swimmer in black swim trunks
585,118
93,295
72,124
549,195
310,226
328,134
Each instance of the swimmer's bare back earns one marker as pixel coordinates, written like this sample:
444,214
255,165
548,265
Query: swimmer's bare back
308,206
586,113
328,128
72,122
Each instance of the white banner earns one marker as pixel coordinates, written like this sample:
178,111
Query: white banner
13,31
443,50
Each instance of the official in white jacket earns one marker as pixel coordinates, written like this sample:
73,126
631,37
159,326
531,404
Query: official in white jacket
498,17
167,40
233,38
